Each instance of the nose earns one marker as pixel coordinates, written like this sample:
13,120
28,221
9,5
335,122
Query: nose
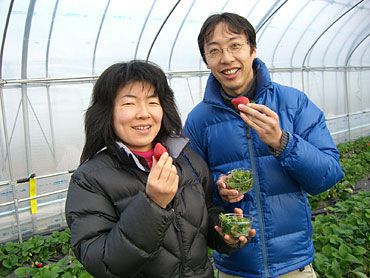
226,56
143,111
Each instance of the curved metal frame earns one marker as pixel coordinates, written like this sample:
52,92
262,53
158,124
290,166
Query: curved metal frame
363,54
160,29
304,68
4,37
270,13
364,30
98,37
49,38
346,83
178,33
51,120
324,55
27,29
304,33
143,28
6,137
326,29
285,31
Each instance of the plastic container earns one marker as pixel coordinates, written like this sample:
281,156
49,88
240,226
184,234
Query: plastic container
236,225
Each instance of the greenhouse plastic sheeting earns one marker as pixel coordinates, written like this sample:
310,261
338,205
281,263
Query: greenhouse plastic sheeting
53,51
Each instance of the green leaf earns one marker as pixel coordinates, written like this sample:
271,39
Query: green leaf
327,250
7,264
359,274
344,250
352,259
84,274
335,268
335,240
359,250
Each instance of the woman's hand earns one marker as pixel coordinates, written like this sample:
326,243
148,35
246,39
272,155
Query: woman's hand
163,181
242,240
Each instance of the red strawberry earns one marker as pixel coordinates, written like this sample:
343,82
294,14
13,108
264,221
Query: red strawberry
239,100
159,149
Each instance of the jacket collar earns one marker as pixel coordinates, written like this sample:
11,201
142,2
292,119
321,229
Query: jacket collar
174,146
129,153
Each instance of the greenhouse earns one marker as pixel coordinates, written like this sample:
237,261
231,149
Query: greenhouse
52,53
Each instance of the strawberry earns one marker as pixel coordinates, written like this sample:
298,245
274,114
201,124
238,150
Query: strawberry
159,149
239,100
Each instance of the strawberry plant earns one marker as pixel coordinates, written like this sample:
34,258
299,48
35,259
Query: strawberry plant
355,162
341,238
68,266
33,252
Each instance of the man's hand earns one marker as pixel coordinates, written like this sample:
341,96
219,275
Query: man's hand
242,240
227,194
264,121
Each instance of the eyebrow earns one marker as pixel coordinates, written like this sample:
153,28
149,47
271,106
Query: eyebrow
229,40
128,95
153,95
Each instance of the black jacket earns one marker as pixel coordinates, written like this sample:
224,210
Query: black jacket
117,231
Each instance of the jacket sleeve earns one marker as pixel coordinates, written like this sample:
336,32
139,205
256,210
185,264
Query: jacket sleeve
108,245
311,157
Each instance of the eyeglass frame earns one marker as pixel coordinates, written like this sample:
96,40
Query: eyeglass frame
218,55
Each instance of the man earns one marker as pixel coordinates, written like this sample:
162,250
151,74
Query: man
281,137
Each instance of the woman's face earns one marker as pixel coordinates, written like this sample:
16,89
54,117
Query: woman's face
137,115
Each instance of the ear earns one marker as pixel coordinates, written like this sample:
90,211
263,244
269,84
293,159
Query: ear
254,53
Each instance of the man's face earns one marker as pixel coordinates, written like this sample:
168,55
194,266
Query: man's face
233,69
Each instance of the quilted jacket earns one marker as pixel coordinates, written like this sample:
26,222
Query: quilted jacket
117,231
278,201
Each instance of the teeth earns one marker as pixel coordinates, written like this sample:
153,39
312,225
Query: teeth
230,71
142,127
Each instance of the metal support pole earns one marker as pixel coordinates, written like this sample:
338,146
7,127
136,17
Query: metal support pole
16,209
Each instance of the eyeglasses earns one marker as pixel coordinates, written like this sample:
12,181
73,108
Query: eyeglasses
216,52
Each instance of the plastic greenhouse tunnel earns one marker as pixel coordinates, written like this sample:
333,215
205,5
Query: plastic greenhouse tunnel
52,52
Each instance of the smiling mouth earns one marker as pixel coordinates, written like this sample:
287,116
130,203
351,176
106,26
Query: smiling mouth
145,127
230,71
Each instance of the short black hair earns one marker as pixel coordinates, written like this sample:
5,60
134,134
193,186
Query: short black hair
99,129
236,24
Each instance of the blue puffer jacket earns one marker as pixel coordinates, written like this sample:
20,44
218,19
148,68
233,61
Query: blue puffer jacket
278,201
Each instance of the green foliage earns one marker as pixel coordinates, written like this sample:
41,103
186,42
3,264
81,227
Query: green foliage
235,225
34,250
240,179
355,162
342,240
67,267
